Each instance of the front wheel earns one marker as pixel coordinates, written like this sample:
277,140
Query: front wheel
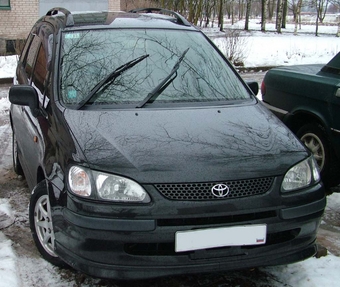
315,139
42,226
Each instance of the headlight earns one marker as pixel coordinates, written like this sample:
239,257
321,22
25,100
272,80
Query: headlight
120,189
79,181
108,187
301,175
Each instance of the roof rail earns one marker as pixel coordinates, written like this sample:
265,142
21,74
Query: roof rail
180,19
68,16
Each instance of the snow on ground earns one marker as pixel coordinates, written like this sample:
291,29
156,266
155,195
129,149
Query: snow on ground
264,49
287,49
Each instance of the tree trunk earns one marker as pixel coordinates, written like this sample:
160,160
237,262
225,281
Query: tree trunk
271,4
220,16
323,11
263,14
248,9
239,9
232,13
279,15
297,17
338,33
284,13
198,13
191,11
317,6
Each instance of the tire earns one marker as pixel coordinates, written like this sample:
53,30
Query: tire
42,226
315,139
15,157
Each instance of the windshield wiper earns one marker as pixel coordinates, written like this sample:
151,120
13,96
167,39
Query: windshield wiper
151,97
109,79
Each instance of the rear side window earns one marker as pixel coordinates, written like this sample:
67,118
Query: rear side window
35,63
40,70
32,53
23,56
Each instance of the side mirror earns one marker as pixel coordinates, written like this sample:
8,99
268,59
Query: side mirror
25,95
254,86
337,94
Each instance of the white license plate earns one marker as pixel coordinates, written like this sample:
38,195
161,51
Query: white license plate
220,237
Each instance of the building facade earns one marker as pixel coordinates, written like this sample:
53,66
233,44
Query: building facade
18,16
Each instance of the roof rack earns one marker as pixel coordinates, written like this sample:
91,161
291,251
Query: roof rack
180,19
68,22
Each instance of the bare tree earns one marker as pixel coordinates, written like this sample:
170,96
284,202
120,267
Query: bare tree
208,8
284,13
229,6
205,12
271,6
321,9
336,3
236,46
297,13
264,8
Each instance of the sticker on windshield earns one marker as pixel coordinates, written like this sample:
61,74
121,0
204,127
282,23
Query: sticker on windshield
71,94
72,36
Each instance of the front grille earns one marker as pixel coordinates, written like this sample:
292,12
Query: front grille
203,191
239,218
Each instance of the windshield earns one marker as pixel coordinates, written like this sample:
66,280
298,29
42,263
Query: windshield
88,57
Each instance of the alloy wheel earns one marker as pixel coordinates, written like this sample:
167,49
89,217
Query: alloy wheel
43,224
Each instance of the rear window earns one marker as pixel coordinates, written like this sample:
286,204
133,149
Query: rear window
202,74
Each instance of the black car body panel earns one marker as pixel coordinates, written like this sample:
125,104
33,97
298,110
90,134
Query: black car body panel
205,160
304,94
176,145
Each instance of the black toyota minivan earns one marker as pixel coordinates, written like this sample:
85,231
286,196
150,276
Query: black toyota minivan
147,154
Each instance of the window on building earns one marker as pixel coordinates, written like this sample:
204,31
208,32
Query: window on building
5,4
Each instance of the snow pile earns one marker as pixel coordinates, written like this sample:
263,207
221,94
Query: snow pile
309,273
8,262
7,66
4,105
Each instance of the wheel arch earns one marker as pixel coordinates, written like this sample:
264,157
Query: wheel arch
301,117
40,175
43,182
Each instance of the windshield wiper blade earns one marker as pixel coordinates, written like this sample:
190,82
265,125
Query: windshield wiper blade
109,79
164,84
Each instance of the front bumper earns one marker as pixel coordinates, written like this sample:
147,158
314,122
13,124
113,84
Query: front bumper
220,263
124,247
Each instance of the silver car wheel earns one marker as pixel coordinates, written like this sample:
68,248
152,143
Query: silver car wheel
43,224
314,144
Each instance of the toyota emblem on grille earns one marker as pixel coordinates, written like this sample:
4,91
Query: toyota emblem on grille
220,190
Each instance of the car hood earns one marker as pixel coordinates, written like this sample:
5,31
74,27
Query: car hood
185,145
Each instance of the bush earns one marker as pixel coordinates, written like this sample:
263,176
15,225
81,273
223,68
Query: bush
236,46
